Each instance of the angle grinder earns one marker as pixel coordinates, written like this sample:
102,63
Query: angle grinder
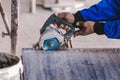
52,38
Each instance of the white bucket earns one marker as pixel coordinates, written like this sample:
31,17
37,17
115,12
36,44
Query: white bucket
12,72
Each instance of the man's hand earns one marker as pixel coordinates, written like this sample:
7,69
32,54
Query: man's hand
88,28
67,16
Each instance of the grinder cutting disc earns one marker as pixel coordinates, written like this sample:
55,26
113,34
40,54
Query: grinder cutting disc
51,39
51,44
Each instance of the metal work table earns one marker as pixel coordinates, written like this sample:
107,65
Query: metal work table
75,64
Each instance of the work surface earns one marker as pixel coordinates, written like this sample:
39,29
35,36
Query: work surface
76,64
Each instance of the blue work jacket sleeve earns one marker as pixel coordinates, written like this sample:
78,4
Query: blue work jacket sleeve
104,10
112,29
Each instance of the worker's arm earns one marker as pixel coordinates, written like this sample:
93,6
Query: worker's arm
103,11
111,28
106,10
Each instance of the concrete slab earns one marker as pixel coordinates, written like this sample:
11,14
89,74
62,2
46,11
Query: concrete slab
75,64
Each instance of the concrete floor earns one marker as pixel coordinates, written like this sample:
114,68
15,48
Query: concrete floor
30,24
